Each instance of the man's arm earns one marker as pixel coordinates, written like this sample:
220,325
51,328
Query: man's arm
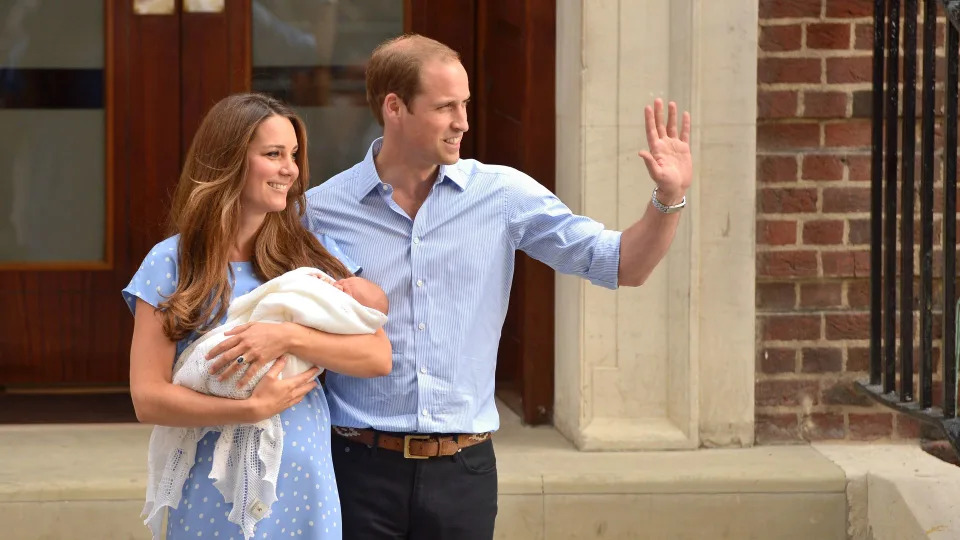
670,165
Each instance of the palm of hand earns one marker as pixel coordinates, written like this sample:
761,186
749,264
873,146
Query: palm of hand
674,164
668,160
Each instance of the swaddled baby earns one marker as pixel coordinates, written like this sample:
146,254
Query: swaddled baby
247,457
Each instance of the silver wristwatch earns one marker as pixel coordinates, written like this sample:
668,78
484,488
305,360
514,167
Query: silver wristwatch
665,208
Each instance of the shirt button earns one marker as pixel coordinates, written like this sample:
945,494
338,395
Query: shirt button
423,370
419,283
385,187
416,239
421,326
424,412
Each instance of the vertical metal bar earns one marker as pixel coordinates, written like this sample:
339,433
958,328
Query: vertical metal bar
926,204
876,193
908,158
949,227
890,200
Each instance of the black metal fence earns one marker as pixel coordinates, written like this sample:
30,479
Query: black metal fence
899,377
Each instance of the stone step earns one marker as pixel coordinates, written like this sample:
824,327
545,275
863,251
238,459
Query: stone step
88,481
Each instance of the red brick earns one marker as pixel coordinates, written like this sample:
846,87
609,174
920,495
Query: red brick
776,296
863,37
846,263
823,232
782,37
789,70
787,264
870,426
778,360
823,426
846,200
847,325
779,393
824,104
822,167
859,166
847,70
821,295
907,427
777,104
790,327
787,201
828,36
858,294
859,232
821,360
850,133
776,169
776,233
846,9
858,359
773,9
771,428
787,135
841,392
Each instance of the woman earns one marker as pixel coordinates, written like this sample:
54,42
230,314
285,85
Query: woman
236,223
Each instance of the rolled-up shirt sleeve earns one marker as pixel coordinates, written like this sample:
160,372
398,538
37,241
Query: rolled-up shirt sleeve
543,227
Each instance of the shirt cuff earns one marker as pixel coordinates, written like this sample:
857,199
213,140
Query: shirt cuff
605,266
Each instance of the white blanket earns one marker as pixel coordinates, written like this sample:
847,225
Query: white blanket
249,454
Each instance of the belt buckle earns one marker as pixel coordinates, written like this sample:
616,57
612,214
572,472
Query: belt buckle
406,446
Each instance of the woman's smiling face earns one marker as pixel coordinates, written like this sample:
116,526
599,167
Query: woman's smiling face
271,166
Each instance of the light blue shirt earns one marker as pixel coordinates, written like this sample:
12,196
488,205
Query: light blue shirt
447,275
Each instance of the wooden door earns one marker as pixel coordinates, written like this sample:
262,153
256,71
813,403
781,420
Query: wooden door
515,127
62,322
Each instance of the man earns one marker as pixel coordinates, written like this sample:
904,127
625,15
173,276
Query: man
412,450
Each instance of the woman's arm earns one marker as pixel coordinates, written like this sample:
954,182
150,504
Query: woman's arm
158,401
359,355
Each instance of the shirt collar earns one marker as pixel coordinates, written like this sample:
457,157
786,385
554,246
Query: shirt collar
368,179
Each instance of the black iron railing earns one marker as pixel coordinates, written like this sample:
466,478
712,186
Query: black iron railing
893,166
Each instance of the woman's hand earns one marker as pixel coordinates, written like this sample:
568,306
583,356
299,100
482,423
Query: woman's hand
256,343
273,394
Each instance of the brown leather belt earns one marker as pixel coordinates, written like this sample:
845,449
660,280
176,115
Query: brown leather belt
413,445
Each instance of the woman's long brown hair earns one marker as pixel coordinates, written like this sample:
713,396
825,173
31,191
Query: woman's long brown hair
206,213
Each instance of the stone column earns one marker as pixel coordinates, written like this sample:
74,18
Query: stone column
668,365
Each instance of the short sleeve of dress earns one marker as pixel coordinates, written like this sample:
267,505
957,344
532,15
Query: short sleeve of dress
331,245
156,279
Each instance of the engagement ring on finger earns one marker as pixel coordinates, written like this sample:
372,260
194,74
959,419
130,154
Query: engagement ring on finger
240,359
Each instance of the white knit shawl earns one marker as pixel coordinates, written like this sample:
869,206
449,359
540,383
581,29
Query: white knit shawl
246,455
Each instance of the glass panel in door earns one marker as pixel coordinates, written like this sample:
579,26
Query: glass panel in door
311,54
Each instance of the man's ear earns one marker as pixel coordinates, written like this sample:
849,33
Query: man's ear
392,105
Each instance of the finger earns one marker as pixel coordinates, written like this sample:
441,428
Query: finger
223,347
277,367
651,125
306,376
652,166
658,114
234,366
685,129
672,120
226,359
303,390
237,329
252,370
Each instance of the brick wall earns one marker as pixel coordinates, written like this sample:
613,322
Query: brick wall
813,167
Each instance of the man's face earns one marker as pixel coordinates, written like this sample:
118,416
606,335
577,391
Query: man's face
433,124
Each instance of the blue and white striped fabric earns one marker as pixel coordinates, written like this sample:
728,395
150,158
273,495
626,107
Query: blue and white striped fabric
447,275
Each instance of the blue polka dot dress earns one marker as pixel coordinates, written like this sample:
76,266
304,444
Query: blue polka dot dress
307,504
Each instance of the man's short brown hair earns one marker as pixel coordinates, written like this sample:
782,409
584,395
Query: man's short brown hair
395,66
